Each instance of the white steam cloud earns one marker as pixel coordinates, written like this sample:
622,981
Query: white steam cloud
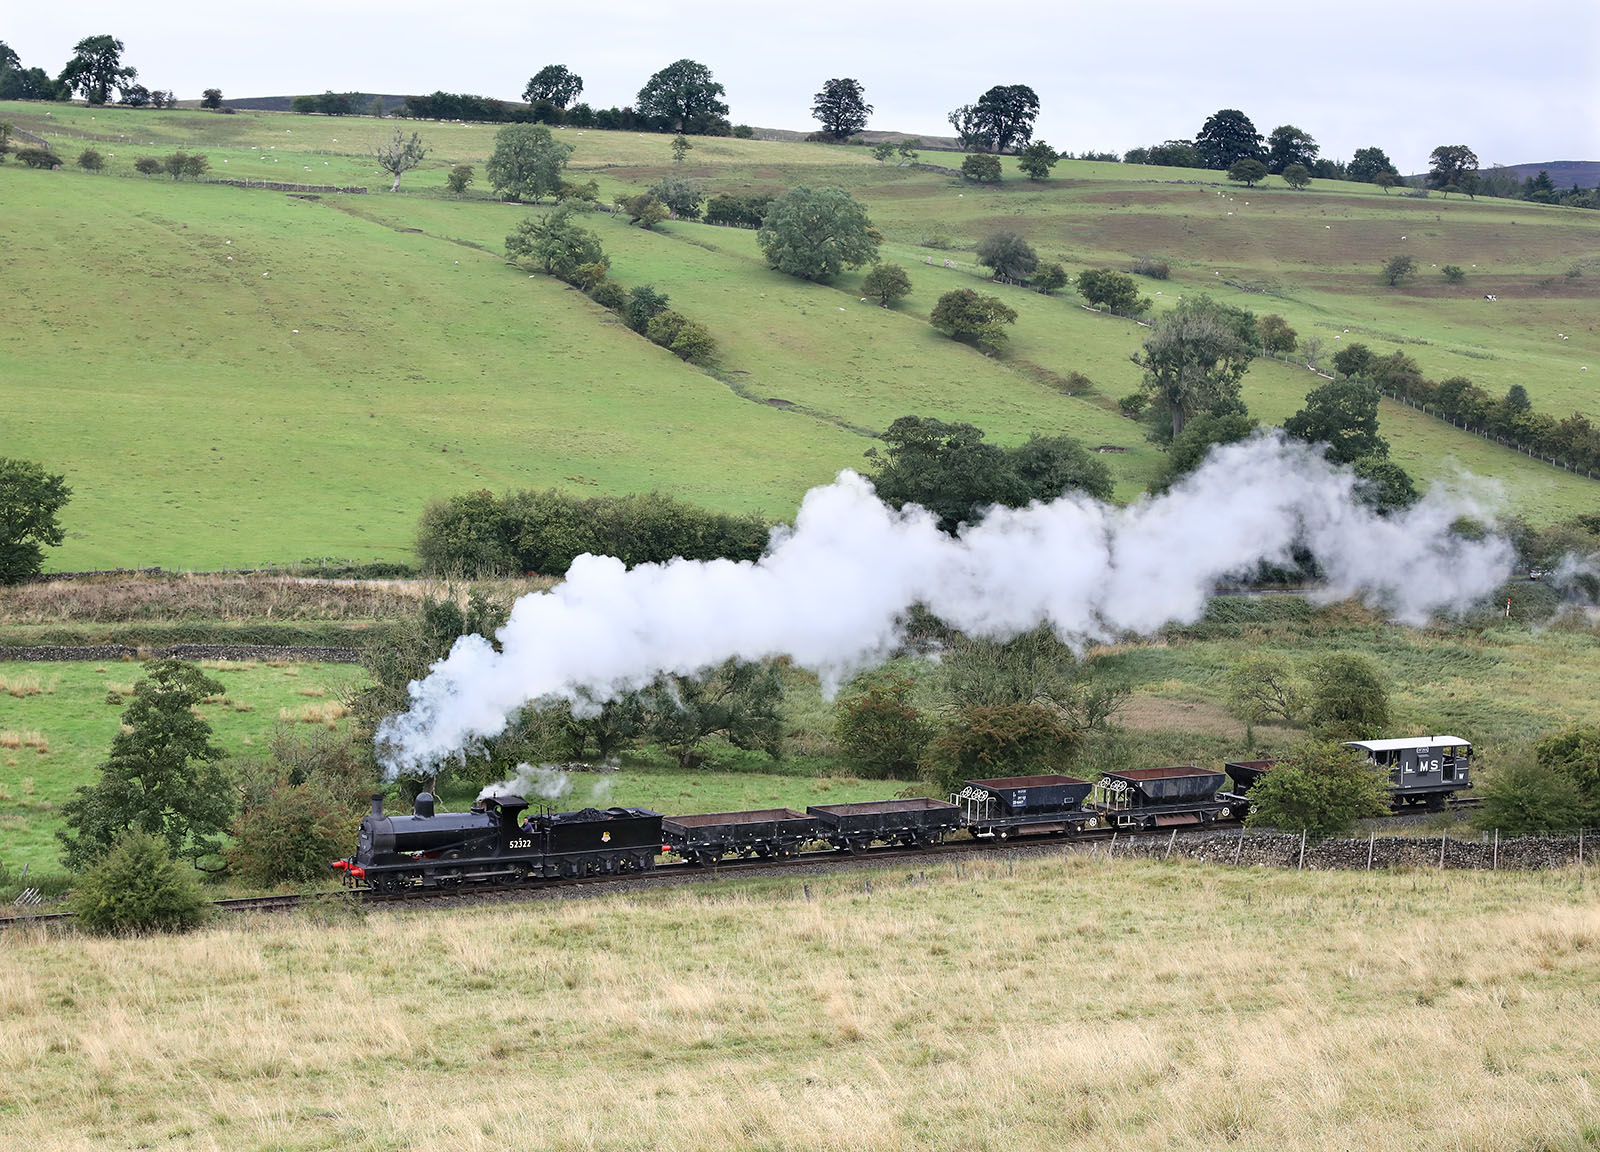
831,592
545,782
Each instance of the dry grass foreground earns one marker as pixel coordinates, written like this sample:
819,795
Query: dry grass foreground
1049,1002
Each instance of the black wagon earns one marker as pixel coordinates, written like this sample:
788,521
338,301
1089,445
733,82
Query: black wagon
1156,797
916,820
708,837
1025,805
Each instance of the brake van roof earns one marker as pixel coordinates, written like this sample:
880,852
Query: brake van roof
1408,742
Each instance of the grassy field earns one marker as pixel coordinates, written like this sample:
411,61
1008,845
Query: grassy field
1049,1002
359,355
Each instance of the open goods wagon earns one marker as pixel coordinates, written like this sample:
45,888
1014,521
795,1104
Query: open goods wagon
916,820
708,837
1025,805
1152,797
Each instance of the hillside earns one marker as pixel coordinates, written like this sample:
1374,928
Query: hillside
235,377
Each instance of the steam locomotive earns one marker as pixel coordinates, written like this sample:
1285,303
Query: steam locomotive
501,841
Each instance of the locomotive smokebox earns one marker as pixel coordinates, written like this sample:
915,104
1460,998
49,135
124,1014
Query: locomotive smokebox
424,805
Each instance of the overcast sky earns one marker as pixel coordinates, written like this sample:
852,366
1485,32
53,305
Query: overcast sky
1518,82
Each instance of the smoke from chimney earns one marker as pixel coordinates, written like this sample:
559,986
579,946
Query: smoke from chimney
831,592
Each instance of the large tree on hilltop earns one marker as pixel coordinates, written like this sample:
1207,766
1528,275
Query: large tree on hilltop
1228,137
1287,146
555,84
1449,165
841,107
682,96
1006,113
96,67
1367,163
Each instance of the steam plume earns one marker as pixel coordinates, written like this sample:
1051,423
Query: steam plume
831,592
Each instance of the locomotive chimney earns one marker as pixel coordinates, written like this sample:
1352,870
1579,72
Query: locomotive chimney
377,805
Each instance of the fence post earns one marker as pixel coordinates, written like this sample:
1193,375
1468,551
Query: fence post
1580,847
1237,845
1173,839
1370,834
1495,867
1302,863
1443,837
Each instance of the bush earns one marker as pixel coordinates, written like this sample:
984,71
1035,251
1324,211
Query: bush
1453,273
1008,255
888,284
1113,291
90,160
38,158
1320,788
137,887
609,294
1349,697
1264,687
738,211
464,535
1575,753
664,327
1525,795
1398,269
990,740
147,165
880,728
1050,277
1155,269
290,838
982,169
973,318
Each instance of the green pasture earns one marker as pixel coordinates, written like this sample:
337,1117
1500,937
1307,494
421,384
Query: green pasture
57,722
358,355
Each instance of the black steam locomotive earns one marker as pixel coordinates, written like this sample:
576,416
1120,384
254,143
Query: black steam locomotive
498,841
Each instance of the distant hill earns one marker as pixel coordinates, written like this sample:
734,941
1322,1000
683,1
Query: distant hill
1563,173
281,103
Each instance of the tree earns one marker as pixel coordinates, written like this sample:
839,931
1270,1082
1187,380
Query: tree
95,68
1352,360
1383,485
680,148
460,176
644,305
1296,176
163,777
683,97
135,95
1049,466
401,154
1367,163
1349,697
1449,163
1006,114
1277,338
1034,667
1321,788
1201,433
1226,138
682,197
1037,159
137,888
39,158
1386,181
90,160
1008,255
288,837
211,98
555,84
882,150
996,740
146,165
1288,145
1341,415
981,169
1247,171
8,57
1263,688
888,284
971,128
737,700
841,108
30,501
527,162
554,244
815,233
880,727
1453,273
1398,269
1049,277
1195,357
1114,292
973,318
